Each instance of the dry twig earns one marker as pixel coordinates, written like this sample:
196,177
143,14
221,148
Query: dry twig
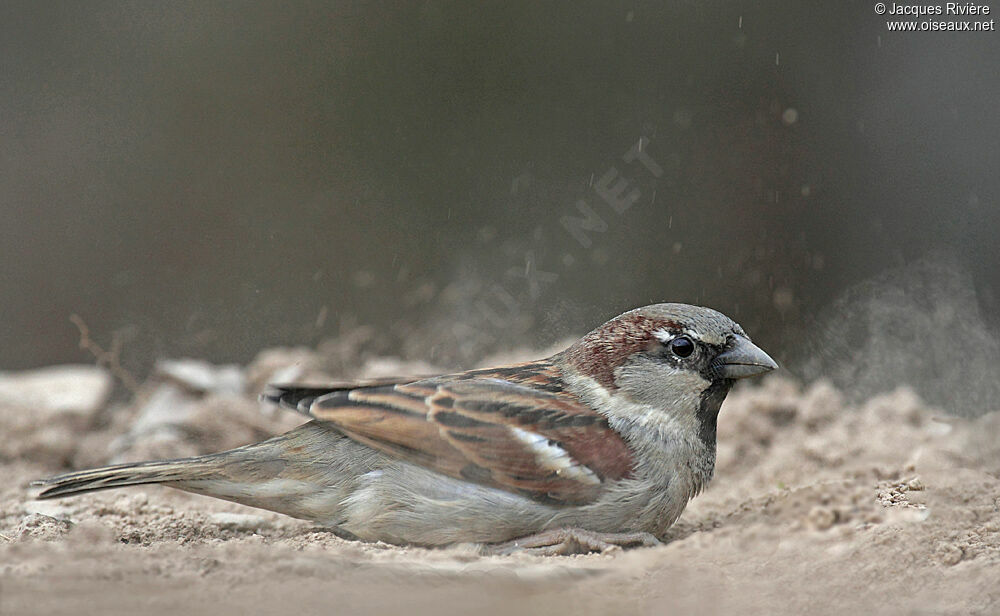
110,359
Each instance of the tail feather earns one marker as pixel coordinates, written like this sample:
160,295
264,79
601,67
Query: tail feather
160,471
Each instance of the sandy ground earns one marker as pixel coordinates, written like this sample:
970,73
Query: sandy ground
818,507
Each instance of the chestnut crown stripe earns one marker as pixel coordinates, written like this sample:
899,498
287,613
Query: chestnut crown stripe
603,350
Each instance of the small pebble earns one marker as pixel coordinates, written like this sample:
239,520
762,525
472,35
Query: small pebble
821,518
949,554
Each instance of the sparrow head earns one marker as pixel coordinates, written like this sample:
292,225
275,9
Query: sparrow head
678,358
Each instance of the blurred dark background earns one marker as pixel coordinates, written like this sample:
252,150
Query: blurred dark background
211,178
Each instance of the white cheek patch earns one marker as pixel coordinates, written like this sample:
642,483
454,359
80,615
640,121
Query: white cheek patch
671,411
555,458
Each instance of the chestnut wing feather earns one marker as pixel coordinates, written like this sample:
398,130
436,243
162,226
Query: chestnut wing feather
536,442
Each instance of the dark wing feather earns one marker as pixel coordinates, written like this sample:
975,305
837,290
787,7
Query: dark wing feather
509,428
300,397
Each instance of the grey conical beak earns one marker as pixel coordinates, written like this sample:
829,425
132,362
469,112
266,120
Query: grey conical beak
742,359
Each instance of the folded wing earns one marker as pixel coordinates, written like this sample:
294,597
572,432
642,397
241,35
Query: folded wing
524,437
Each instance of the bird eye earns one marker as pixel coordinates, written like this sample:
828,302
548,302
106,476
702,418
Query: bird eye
682,346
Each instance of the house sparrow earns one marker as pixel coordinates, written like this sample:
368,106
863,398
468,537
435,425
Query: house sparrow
600,445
